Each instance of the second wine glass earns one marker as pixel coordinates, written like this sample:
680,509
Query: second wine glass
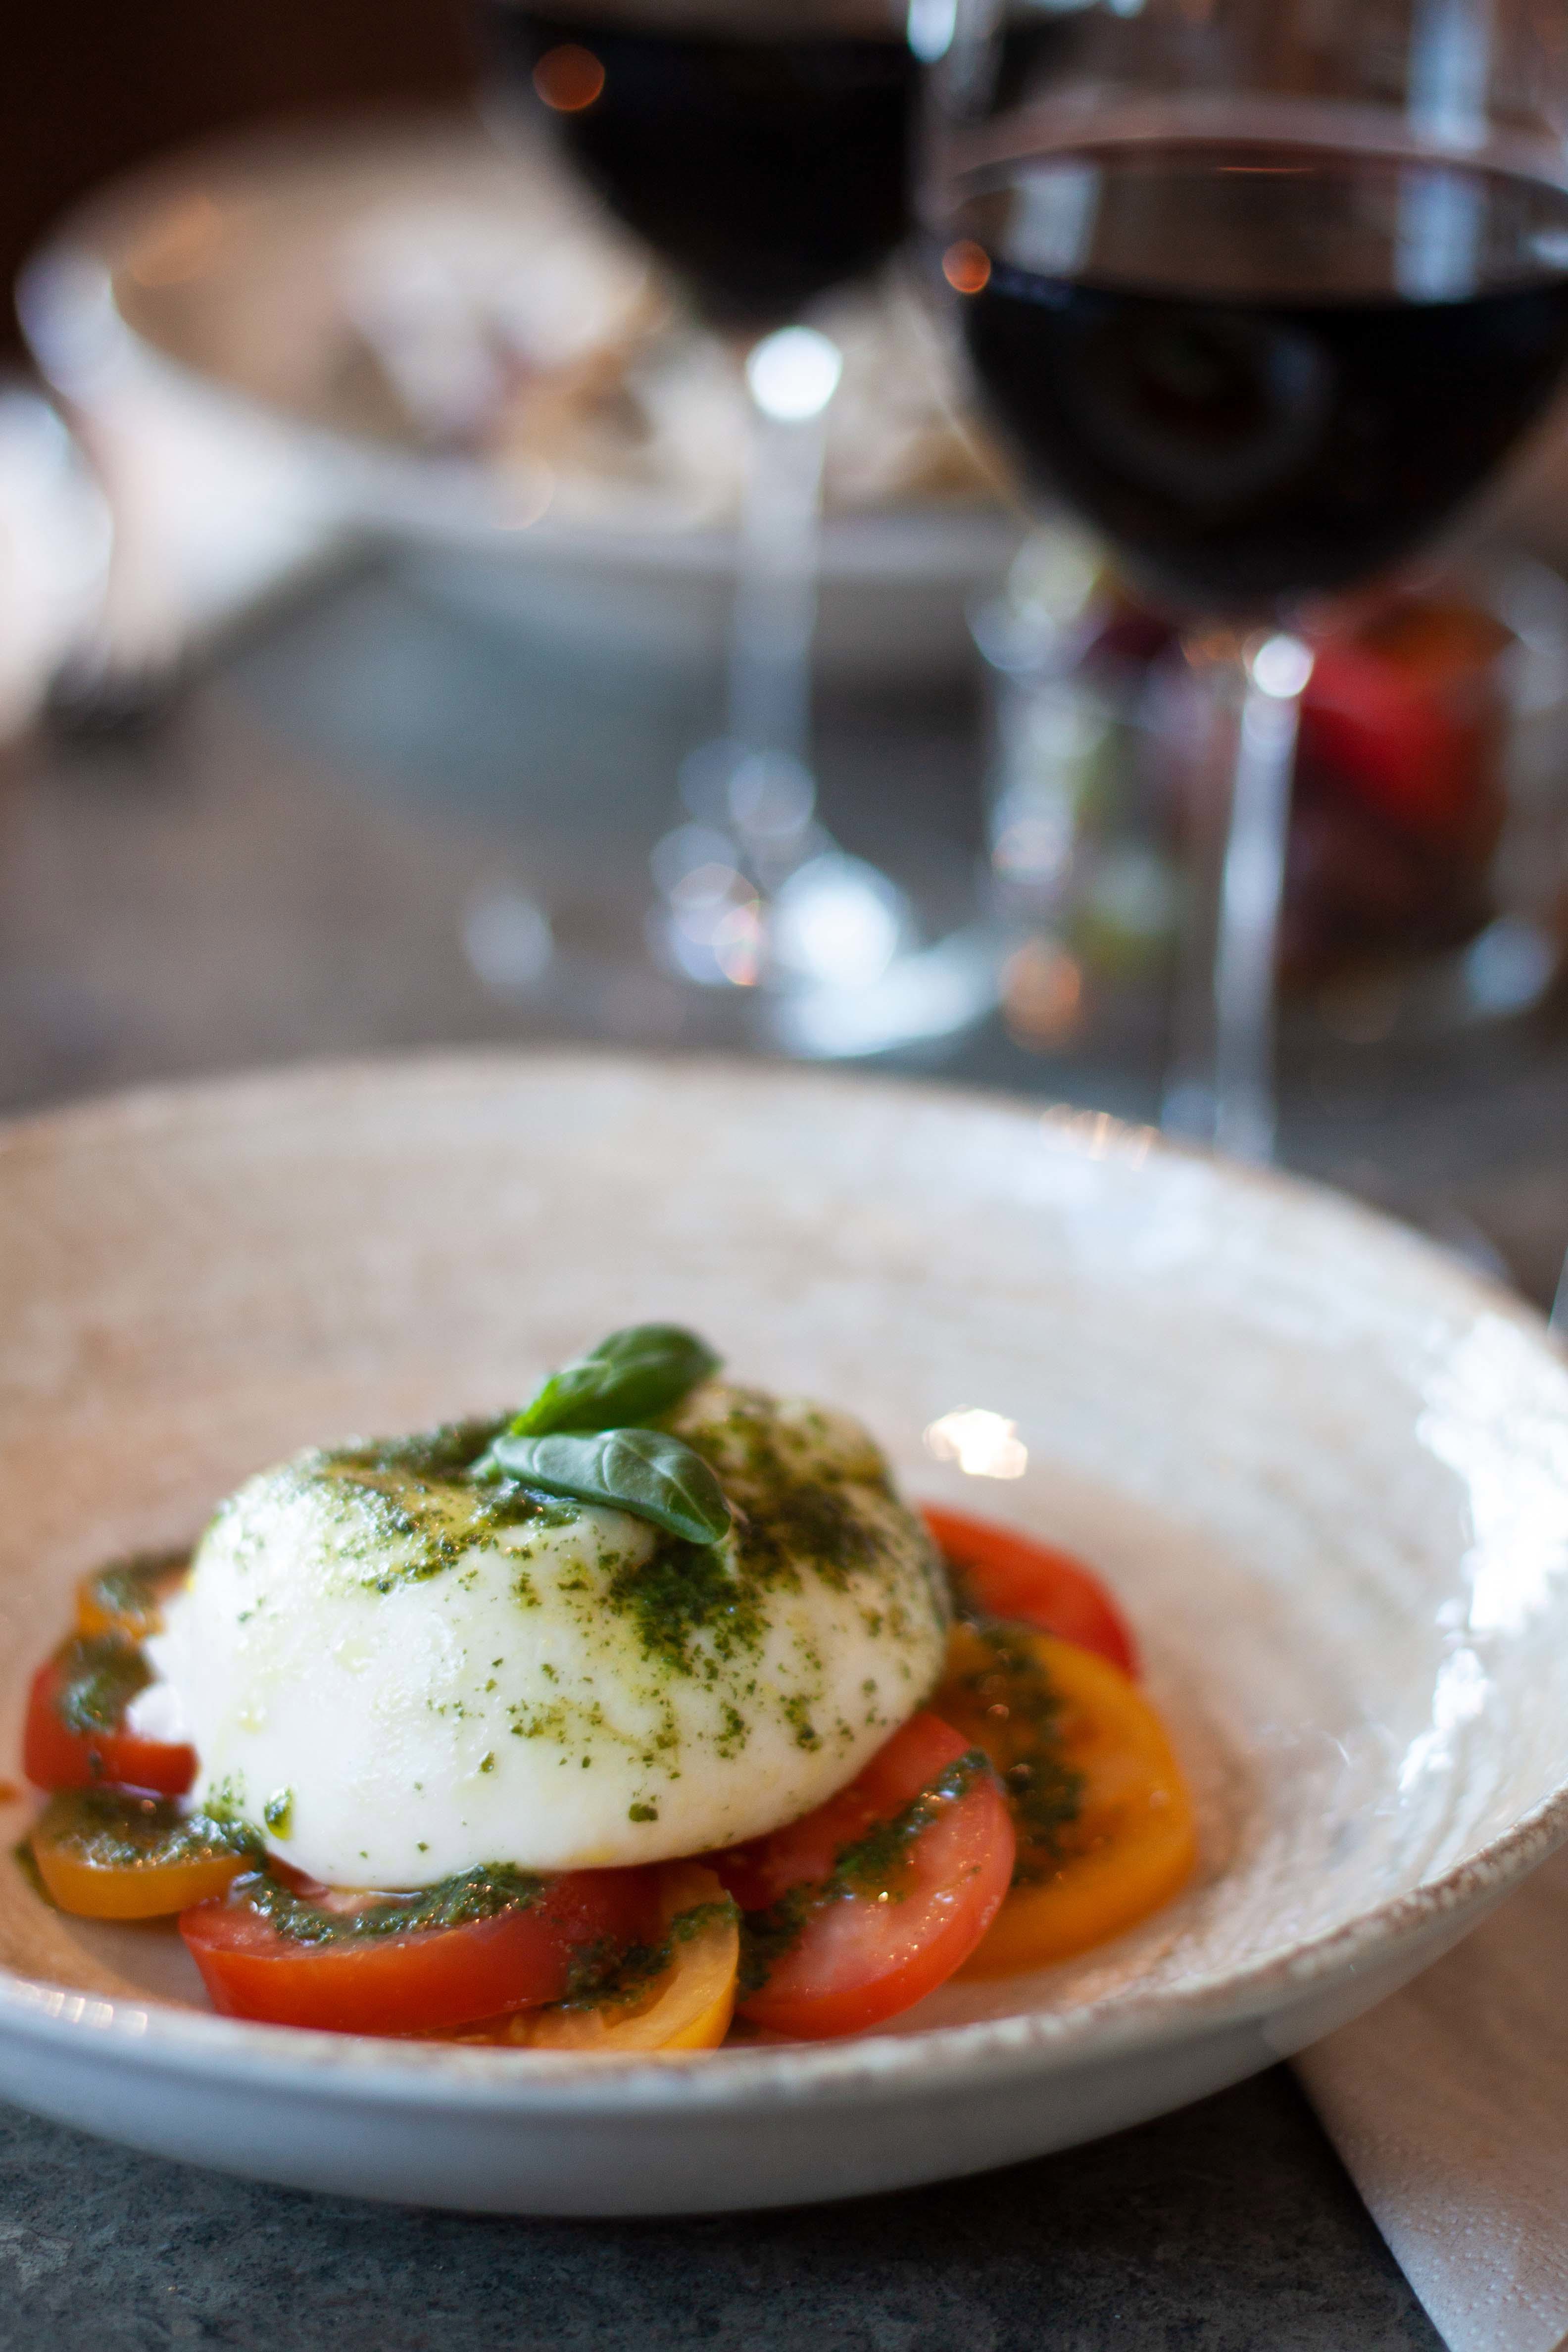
1264,290
761,148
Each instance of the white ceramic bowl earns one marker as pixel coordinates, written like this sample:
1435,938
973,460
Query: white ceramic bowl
1327,1470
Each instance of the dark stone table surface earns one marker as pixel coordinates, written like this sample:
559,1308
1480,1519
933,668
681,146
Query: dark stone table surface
1230,2228
290,865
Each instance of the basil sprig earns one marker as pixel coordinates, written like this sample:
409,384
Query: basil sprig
633,1376
643,1471
580,1437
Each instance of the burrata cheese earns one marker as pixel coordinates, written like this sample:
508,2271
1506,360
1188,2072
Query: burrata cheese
394,1671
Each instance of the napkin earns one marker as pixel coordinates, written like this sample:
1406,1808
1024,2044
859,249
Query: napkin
1449,2106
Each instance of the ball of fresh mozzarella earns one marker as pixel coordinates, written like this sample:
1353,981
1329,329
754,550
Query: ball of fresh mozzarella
395,1671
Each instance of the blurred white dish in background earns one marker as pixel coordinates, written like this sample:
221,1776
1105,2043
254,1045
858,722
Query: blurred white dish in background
55,546
457,356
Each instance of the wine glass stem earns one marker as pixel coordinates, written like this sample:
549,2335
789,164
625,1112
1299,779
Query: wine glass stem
774,614
1221,1085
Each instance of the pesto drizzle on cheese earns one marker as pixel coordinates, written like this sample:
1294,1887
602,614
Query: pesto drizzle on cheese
416,1507
814,1621
408,1507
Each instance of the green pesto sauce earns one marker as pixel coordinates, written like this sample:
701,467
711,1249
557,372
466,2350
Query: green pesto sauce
418,1509
98,1678
792,1518
412,1507
111,1829
789,1514
482,1892
134,1588
869,1868
684,1592
610,1981
1044,1791
224,1801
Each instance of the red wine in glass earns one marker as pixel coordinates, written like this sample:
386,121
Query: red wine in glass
765,158
764,150
1263,371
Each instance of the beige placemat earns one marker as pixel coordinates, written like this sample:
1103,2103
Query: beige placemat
1449,2105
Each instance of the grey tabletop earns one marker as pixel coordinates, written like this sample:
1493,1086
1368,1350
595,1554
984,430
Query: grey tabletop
1230,2228
316,853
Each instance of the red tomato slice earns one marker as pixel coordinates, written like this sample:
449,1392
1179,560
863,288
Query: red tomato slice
54,1756
880,1946
1015,1576
430,1977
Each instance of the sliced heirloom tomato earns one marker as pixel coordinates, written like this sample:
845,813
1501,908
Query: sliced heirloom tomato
1032,1583
867,1904
107,1853
682,2002
491,1941
75,1736
1105,1823
128,1596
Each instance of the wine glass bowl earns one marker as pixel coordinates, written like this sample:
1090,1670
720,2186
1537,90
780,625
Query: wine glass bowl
1218,353
1264,291
762,152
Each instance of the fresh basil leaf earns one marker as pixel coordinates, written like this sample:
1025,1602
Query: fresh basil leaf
643,1471
633,1376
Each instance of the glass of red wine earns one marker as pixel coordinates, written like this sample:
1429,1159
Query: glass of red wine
1265,290
762,149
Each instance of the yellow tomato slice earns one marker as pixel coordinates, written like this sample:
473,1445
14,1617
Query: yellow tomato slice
687,2006
1131,1844
127,1596
106,1856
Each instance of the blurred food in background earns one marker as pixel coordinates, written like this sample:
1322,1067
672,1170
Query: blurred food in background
95,88
481,368
1400,798
56,542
